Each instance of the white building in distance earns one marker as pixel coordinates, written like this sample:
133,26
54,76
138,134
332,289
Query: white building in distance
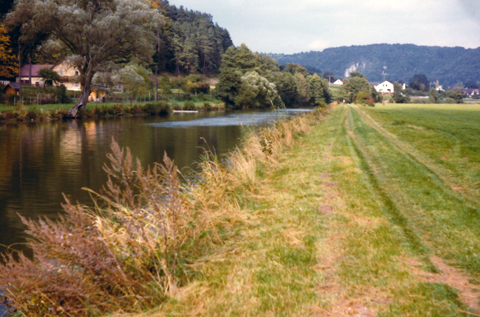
385,87
338,82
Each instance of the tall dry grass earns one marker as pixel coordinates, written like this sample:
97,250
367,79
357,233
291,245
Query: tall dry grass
147,235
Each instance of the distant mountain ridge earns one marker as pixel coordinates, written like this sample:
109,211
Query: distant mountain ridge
448,65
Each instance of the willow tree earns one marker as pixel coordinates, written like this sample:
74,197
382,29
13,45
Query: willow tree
97,33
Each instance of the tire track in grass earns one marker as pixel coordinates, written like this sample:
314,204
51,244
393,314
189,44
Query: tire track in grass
358,147
455,225
378,172
441,177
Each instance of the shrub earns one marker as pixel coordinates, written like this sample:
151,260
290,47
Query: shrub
207,105
157,108
176,106
187,96
118,110
31,114
11,115
189,105
364,98
60,114
62,96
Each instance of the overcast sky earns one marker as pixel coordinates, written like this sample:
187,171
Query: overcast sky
292,26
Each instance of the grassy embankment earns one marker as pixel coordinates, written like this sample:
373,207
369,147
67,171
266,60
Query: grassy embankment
372,211
47,112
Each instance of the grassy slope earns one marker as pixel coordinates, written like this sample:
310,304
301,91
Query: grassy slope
372,212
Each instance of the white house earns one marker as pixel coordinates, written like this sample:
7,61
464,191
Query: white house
338,82
69,75
385,87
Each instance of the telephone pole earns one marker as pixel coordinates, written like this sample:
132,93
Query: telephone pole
383,90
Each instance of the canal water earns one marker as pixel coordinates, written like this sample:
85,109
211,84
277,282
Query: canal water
40,161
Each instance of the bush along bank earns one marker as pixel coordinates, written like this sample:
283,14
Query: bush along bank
148,235
33,114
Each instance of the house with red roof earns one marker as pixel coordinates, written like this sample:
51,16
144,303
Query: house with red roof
69,75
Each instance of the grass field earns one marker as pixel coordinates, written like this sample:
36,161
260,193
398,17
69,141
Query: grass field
373,211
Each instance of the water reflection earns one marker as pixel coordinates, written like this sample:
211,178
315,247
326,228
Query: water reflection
234,119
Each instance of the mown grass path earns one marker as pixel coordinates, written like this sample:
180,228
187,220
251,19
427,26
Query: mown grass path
363,216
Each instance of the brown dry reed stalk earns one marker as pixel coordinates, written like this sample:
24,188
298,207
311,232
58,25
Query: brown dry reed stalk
146,236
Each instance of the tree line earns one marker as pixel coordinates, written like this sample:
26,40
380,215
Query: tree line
252,79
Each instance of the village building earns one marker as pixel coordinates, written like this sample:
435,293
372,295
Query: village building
26,73
68,75
385,87
338,82
469,92
11,89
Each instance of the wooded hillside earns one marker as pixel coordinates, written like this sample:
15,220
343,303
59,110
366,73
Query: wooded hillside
448,65
188,42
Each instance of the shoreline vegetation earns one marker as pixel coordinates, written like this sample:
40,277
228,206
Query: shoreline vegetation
44,113
348,210
147,237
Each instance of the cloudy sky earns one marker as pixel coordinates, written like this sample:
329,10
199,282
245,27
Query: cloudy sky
291,26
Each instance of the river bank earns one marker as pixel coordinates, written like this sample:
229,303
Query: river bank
43,113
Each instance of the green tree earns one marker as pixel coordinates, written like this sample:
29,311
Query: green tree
419,82
303,89
455,95
256,91
295,68
398,95
165,85
356,75
49,76
434,97
61,94
266,66
319,90
354,85
287,88
235,63
95,32
135,80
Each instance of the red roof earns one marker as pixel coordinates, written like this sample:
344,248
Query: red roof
35,69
